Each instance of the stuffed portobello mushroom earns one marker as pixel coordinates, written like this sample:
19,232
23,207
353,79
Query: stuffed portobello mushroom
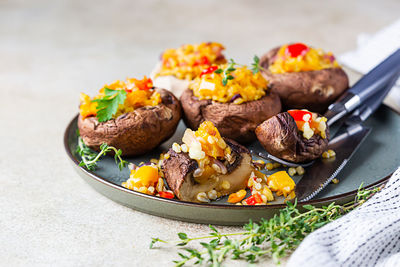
304,77
132,116
296,135
178,67
206,166
233,98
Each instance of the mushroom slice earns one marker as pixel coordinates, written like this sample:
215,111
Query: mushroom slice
190,183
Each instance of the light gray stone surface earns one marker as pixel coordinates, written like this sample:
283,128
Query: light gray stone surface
52,50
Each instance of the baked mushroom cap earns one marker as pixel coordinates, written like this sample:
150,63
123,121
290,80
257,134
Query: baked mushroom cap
281,138
312,90
135,132
178,171
235,121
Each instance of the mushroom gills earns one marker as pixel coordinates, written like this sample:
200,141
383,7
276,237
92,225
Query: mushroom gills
237,180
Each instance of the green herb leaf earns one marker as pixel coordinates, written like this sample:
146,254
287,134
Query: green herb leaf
90,158
275,237
308,207
256,65
108,105
182,236
213,228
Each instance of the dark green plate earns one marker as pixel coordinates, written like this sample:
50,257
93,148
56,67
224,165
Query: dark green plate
378,157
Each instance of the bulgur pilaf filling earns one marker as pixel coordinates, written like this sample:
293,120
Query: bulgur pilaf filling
187,61
299,57
139,93
245,86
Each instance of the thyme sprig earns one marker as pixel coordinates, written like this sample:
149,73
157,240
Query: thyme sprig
227,72
255,66
276,237
89,158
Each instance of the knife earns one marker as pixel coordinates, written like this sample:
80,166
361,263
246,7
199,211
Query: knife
346,142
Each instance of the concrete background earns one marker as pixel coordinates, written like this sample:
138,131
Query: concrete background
50,51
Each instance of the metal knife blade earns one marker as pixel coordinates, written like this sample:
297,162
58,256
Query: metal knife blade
346,142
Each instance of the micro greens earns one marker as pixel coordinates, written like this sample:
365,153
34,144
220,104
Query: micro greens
108,105
255,66
275,237
90,158
231,68
227,72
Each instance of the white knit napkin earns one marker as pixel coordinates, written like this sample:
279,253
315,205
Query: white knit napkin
367,236
373,49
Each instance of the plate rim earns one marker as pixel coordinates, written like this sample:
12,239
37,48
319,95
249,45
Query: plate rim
104,181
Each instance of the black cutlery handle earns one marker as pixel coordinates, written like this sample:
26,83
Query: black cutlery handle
377,77
369,84
372,103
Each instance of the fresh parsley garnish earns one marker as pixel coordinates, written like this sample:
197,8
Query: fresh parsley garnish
108,105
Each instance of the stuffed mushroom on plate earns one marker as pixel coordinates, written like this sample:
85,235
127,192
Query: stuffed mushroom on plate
132,116
233,98
303,76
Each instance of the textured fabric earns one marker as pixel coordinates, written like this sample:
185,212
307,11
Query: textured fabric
367,236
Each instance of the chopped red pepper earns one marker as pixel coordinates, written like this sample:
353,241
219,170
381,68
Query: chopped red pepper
209,70
166,194
298,115
202,61
295,50
144,84
254,199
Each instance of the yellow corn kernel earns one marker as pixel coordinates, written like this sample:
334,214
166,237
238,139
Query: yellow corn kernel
202,197
143,189
160,185
276,165
212,194
269,166
335,181
300,170
292,171
268,194
184,148
176,147
250,182
225,185
291,196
